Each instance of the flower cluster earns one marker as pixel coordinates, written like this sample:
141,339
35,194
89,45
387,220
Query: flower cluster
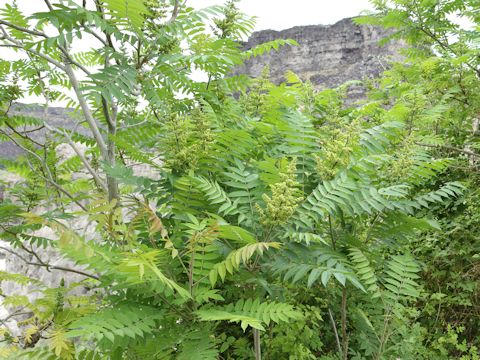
337,150
284,200
192,141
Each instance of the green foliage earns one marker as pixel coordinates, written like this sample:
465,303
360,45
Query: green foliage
251,313
131,11
199,346
236,258
116,325
364,270
400,280
323,230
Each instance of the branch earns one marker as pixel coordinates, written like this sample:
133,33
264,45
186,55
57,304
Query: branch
72,61
343,312
447,147
50,177
47,2
22,29
19,45
134,125
108,36
67,68
50,267
38,33
92,123
176,10
97,36
30,152
85,162
445,47
32,252
23,136
33,130
337,339
19,312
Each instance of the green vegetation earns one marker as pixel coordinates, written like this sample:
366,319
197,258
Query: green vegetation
278,223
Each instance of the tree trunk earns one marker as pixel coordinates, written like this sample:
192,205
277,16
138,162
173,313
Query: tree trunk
256,344
344,324
112,183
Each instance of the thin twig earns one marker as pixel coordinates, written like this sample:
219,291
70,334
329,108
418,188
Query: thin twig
50,177
19,45
452,148
85,162
50,267
49,5
337,339
22,29
19,312
344,323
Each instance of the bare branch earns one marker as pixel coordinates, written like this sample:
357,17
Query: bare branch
22,135
47,2
97,36
19,45
22,29
85,162
452,148
176,10
50,267
92,123
18,312
337,339
33,130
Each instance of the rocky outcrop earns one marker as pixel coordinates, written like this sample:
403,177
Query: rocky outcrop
56,116
327,55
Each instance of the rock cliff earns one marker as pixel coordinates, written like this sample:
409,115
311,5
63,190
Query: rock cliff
327,55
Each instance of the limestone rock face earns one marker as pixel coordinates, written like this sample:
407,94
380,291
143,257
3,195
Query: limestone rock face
327,56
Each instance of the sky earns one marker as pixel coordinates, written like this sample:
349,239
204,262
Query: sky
284,14
271,14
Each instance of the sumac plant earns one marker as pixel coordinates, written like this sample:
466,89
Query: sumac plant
268,220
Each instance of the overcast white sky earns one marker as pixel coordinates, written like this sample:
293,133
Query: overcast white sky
271,14
283,14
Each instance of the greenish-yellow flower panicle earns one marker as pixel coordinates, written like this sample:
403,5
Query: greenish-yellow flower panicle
284,199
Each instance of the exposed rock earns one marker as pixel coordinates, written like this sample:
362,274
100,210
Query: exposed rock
327,56
56,116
